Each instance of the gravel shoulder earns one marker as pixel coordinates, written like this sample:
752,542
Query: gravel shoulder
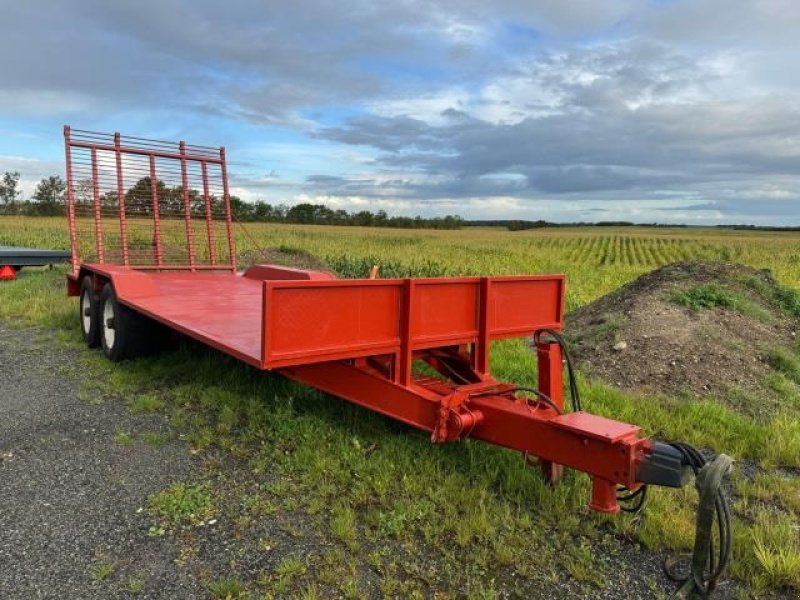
74,523
71,496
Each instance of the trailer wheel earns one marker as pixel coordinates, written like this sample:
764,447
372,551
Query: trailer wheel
90,317
124,333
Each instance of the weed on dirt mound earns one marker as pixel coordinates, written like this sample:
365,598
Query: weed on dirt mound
697,328
287,256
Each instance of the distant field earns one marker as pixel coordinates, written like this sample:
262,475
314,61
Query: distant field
382,499
595,259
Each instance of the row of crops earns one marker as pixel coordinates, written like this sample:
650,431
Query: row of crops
596,260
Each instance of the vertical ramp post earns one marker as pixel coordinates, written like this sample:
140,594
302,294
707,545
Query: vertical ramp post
212,243
404,362
480,353
98,217
123,224
187,207
73,236
227,197
550,383
157,247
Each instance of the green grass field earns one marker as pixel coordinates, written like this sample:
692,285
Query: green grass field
460,520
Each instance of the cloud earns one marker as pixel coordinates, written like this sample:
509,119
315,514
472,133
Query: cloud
631,119
558,108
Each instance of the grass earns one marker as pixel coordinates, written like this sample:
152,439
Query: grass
123,438
155,439
287,571
135,585
343,526
707,296
227,589
389,511
145,403
182,504
787,363
777,549
102,570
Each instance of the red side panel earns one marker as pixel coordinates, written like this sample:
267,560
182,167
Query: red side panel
521,305
444,311
314,321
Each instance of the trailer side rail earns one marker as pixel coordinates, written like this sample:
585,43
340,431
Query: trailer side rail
314,321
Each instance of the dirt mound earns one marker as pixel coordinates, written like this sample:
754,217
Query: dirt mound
282,255
695,328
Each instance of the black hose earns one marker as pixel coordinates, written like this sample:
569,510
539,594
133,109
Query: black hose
706,570
575,395
634,501
542,397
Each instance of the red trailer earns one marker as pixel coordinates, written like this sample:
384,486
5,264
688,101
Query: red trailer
153,247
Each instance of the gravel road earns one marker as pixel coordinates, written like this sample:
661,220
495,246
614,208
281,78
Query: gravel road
69,494
71,499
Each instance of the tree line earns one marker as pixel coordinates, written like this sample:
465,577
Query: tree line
49,197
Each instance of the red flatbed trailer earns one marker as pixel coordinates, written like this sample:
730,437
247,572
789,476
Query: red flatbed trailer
145,253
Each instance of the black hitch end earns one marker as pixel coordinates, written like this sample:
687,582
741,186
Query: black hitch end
664,466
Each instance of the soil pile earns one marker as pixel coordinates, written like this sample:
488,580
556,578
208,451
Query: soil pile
282,255
697,328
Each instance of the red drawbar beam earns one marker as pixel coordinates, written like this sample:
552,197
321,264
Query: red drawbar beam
605,449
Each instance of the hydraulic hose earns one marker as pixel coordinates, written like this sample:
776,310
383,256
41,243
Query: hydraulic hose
573,383
707,566
707,562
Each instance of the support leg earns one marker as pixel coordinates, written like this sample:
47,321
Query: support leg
550,383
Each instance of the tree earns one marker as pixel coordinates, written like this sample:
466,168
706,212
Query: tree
50,190
241,210
8,187
139,199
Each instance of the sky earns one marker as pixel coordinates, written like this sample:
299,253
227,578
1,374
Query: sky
647,111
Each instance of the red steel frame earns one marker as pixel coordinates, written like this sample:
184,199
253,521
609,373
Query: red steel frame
152,150
363,340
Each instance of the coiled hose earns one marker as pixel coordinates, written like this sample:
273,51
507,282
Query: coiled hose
707,565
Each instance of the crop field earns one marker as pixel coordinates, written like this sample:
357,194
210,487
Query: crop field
383,512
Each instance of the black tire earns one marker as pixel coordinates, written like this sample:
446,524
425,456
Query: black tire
89,313
124,333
